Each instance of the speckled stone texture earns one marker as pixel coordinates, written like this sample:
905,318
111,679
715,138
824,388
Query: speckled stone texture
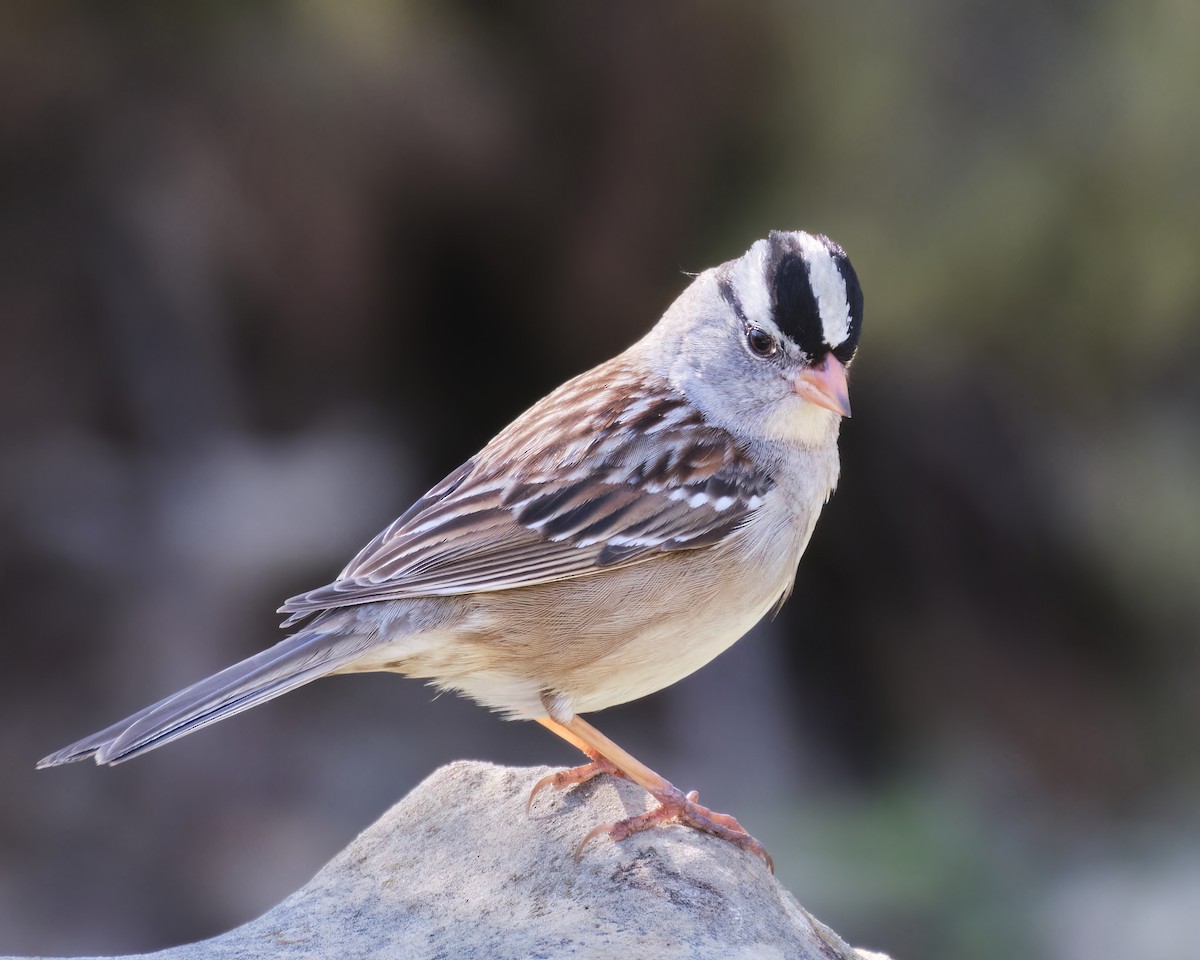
457,869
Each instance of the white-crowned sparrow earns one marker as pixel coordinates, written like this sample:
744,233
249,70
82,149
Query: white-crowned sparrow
614,538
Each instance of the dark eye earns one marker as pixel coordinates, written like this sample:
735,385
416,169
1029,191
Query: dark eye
762,344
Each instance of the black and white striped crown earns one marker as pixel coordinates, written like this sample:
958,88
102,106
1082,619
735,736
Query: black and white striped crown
802,285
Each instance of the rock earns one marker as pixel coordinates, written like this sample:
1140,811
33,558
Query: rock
457,869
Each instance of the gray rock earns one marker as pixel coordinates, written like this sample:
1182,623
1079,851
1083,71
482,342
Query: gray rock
457,869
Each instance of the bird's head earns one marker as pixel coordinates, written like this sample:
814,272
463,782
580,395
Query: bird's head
763,343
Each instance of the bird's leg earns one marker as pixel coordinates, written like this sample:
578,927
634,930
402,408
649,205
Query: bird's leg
674,805
575,775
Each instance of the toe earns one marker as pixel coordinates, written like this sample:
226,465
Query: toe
676,808
562,779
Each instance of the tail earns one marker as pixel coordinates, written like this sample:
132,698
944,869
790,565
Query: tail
297,660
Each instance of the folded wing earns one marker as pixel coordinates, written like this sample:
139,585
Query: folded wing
609,470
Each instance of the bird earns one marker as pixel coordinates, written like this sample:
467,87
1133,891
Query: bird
613,539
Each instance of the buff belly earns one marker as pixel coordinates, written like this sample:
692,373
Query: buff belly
601,640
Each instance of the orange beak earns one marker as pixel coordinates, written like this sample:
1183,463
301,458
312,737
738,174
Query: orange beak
825,385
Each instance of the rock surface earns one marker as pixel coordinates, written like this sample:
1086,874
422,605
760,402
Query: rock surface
457,869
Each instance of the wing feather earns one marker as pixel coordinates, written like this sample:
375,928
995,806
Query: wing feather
568,490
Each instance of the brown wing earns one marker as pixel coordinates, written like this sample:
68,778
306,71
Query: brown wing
608,470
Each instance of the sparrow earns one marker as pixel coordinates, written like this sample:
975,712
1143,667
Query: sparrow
611,540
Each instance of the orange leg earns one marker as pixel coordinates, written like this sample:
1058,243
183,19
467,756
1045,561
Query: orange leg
674,806
575,775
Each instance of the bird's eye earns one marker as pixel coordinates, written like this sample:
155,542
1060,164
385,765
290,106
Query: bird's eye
762,344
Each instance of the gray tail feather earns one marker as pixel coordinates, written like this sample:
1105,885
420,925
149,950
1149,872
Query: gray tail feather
292,662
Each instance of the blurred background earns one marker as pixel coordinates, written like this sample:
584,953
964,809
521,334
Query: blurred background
269,270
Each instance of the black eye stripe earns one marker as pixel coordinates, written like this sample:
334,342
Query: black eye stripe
729,295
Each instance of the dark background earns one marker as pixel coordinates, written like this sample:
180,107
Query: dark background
269,270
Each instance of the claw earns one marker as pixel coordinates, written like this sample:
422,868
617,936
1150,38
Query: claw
673,805
591,835
677,808
575,775
538,788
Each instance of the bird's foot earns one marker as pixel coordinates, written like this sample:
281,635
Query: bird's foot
676,807
573,776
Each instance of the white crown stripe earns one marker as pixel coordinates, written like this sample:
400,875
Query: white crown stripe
829,288
746,278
